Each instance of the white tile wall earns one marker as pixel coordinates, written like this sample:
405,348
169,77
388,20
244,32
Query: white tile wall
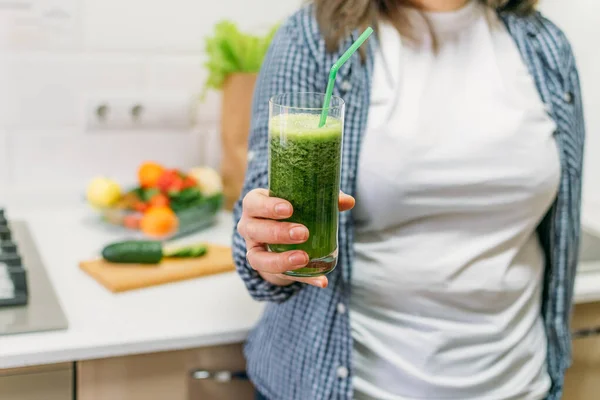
57,158
59,53
4,163
172,25
42,90
110,72
56,55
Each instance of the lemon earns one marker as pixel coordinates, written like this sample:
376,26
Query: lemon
103,192
209,180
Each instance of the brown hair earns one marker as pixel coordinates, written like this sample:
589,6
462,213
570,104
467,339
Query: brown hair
337,18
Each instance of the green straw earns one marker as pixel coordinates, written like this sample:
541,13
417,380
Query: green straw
334,70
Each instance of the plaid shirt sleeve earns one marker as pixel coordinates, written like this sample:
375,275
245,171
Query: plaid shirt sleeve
578,133
288,67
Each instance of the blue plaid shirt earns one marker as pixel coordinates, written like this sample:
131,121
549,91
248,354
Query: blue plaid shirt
302,347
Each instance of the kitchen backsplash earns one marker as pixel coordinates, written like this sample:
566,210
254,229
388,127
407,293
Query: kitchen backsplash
59,59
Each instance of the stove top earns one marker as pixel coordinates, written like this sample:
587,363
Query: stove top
28,302
13,276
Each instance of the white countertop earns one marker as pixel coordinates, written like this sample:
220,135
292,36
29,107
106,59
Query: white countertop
199,312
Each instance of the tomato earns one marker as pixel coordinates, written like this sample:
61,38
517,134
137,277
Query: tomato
166,179
132,221
140,206
189,182
159,200
176,185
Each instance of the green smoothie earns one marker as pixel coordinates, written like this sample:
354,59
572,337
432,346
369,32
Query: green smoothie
304,168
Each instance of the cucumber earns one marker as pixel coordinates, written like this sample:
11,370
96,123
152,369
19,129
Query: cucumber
134,252
148,252
196,250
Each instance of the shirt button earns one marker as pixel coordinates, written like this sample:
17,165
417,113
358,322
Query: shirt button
341,308
568,97
250,155
346,85
342,372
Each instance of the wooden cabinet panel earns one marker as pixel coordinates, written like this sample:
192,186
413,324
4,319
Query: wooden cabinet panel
160,376
48,382
583,378
218,362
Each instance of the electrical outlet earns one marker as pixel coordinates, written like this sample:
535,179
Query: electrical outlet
145,112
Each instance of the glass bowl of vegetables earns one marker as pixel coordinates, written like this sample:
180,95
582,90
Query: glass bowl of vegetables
165,203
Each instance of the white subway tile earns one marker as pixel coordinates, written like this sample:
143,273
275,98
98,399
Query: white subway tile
173,25
4,160
172,72
40,25
5,95
74,159
41,91
112,72
186,75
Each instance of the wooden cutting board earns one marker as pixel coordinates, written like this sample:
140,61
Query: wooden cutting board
124,277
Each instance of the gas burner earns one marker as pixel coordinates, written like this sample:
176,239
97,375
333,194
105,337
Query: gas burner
13,275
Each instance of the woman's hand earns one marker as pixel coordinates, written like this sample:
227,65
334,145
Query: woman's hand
259,226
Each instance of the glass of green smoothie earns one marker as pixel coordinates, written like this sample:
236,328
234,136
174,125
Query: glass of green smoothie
304,169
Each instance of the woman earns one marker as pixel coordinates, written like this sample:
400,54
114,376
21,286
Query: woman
463,146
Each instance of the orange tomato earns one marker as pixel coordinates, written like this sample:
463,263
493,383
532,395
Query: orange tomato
132,221
159,200
140,206
189,182
149,173
159,221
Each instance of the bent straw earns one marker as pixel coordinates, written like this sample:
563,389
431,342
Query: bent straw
334,70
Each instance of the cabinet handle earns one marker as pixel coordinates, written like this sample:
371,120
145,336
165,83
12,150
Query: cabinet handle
583,333
219,376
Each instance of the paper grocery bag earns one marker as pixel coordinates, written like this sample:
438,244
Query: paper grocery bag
235,126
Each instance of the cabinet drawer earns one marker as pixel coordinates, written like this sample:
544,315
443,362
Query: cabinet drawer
581,382
203,386
164,375
47,382
220,373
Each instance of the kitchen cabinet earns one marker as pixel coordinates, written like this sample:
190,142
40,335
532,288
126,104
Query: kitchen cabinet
159,376
582,381
48,382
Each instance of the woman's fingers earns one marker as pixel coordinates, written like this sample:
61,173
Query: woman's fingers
258,204
275,263
259,225
346,202
319,281
272,232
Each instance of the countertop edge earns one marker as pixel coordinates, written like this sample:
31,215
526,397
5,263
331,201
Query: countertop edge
121,350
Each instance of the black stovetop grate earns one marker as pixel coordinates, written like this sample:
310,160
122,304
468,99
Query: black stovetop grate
13,275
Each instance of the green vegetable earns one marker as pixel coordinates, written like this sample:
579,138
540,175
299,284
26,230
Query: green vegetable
148,252
135,251
185,199
231,51
145,194
197,250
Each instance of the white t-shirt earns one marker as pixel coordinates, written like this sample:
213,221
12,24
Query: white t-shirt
458,166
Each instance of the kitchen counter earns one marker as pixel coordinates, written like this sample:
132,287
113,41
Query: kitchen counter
199,312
